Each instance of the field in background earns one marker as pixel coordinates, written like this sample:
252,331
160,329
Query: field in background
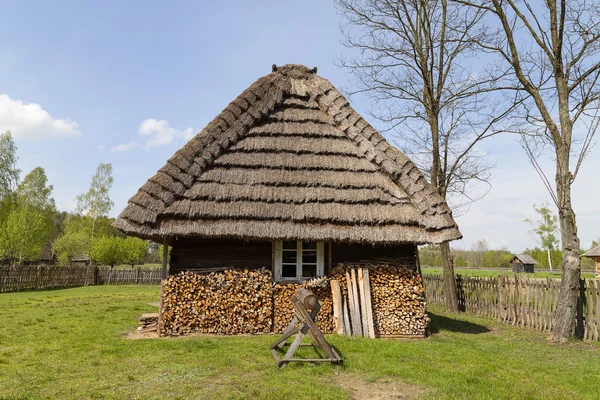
71,343
497,272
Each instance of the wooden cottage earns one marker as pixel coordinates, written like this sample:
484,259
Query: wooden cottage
288,177
523,263
594,254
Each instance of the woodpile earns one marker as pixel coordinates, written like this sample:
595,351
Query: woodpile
226,302
397,298
148,323
239,301
284,311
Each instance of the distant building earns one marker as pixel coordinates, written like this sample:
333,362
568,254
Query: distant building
594,254
522,263
80,261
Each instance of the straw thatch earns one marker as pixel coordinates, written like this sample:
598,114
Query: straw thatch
593,253
290,159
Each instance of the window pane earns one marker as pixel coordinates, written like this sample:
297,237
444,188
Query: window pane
309,257
289,257
288,271
309,245
290,245
308,271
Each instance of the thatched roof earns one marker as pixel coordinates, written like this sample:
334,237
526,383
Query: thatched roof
290,159
524,258
593,253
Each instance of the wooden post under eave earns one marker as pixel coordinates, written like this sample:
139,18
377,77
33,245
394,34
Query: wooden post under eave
163,274
329,266
163,277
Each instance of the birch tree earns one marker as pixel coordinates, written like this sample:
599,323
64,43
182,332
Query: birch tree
545,228
552,49
96,202
415,62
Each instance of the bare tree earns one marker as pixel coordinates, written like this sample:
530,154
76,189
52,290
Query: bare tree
415,61
552,49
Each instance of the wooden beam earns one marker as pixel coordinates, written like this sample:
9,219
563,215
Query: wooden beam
160,308
354,303
336,296
369,304
346,318
329,266
363,302
165,257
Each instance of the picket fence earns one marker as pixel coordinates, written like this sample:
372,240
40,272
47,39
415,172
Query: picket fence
521,301
25,277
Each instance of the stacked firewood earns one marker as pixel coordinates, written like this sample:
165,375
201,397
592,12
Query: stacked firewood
225,302
148,323
284,310
246,301
397,298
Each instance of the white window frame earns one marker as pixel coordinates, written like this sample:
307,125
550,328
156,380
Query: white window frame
278,257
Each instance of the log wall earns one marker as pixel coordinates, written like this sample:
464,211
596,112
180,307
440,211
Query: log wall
205,255
202,255
351,253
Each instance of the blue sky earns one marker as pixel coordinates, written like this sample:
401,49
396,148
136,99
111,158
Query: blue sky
81,80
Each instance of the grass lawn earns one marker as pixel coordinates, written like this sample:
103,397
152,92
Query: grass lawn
491,272
71,343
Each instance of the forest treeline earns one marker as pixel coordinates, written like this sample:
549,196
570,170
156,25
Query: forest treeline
483,257
32,230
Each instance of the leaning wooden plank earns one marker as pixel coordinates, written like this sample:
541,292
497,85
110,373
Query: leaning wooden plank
354,307
363,305
336,297
346,318
356,302
368,304
355,332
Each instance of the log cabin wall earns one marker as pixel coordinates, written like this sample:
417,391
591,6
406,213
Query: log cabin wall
201,255
351,253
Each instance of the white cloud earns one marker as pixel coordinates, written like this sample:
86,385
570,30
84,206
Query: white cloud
160,133
101,147
123,147
29,121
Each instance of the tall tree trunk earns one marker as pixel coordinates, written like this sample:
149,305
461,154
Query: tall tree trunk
549,260
437,181
566,311
450,295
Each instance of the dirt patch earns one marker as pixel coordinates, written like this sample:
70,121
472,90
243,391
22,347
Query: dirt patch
135,335
382,389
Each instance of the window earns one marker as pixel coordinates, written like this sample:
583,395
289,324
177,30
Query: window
297,259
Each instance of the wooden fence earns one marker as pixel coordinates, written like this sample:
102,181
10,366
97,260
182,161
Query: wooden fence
521,301
25,277
136,276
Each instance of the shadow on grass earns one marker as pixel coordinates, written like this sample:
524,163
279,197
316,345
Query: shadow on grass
439,322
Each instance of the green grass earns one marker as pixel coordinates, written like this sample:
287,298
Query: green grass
492,272
70,344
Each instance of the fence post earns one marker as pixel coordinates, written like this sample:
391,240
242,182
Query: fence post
137,276
96,276
501,310
579,318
